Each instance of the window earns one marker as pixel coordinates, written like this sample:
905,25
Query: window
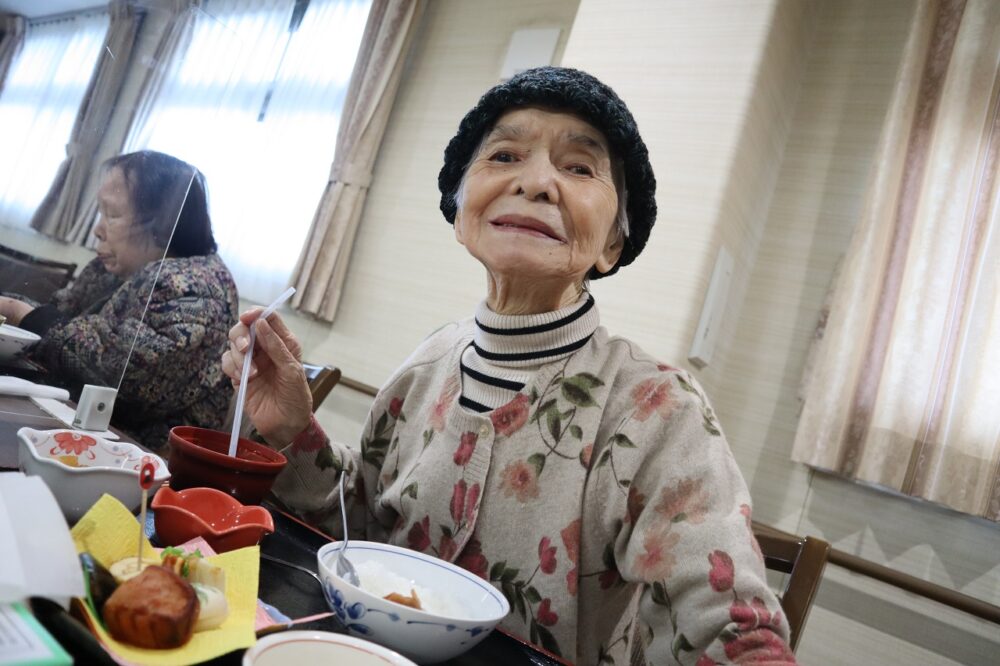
38,107
255,104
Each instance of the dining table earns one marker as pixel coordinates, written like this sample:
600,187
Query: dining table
286,581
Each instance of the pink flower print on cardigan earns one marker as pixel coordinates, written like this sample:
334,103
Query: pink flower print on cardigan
419,536
570,536
545,615
546,556
754,615
442,405
473,560
721,575
650,396
396,408
762,646
520,479
685,500
447,547
511,417
634,505
466,448
463,503
458,500
657,560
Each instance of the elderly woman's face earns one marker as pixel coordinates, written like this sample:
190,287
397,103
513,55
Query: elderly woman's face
122,247
539,199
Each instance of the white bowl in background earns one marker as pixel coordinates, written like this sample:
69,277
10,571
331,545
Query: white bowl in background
79,467
422,636
14,340
320,647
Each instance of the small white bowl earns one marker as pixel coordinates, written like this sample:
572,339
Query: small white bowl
422,636
320,647
14,340
80,467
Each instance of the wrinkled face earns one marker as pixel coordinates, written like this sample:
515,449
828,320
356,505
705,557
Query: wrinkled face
539,199
122,247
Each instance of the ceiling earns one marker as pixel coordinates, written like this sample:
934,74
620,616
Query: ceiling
36,8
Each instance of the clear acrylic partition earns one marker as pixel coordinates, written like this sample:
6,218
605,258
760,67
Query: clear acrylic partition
76,298
248,94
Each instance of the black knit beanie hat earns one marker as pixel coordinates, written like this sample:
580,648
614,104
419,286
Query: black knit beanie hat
576,92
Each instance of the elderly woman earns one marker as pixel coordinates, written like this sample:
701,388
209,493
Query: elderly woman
155,304
587,480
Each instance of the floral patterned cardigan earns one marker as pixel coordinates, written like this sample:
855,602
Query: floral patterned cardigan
166,331
606,475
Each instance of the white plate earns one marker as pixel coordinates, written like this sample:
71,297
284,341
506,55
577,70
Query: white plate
13,340
320,647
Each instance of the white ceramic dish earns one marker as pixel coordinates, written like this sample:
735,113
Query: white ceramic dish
419,635
80,467
320,647
14,340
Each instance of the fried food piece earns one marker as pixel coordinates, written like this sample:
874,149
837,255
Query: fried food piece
157,609
413,601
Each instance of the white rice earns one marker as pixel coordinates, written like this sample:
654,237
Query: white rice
378,580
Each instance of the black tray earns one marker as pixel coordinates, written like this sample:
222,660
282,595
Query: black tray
294,593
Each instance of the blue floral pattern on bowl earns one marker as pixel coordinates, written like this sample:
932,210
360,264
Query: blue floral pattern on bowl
418,634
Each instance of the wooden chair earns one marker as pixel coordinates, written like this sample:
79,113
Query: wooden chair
31,276
803,559
322,379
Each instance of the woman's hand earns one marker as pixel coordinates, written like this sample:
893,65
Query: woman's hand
278,401
14,310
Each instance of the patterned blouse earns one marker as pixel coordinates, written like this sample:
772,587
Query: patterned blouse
601,498
165,331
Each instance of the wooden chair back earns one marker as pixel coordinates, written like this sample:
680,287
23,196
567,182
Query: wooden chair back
322,379
30,276
803,559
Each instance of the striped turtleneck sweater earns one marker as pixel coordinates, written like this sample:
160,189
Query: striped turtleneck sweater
508,349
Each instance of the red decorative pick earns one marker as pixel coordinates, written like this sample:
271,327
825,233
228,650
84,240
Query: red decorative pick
147,471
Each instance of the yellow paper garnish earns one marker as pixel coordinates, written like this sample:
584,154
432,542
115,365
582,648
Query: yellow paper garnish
108,532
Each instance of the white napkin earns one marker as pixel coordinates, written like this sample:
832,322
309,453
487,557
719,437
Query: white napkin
18,386
38,557
65,413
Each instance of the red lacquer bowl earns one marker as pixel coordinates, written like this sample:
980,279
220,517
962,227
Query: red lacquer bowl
210,514
199,458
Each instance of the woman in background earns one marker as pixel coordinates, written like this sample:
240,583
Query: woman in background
152,310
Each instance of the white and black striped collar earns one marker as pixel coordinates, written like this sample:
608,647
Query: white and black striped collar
529,340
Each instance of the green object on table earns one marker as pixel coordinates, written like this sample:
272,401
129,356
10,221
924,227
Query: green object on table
24,641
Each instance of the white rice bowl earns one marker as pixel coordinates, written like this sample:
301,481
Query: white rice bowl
459,609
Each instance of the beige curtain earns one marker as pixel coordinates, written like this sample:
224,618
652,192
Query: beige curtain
59,209
322,266
178,17
11,39
905,390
